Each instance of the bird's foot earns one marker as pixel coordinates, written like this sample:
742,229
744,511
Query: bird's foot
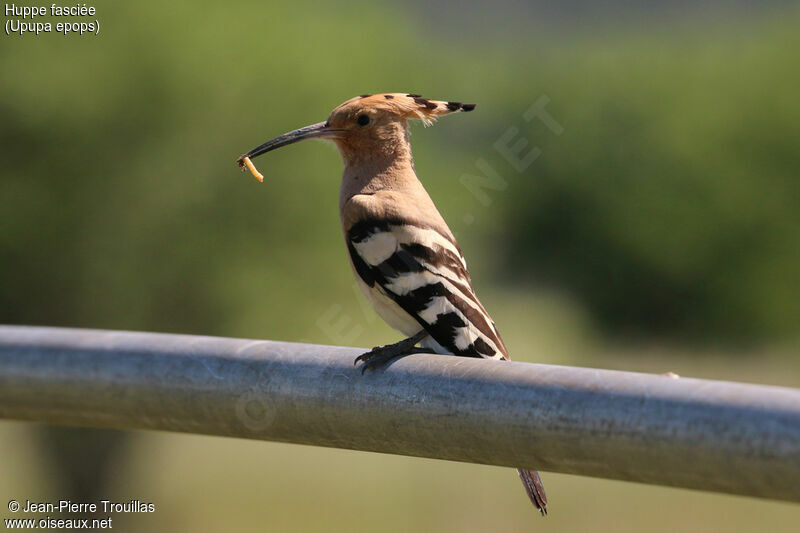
380,355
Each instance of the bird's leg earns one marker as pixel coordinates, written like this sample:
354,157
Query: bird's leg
380,355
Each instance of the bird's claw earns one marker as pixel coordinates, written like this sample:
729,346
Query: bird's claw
381,355
373,358
369,365
366,356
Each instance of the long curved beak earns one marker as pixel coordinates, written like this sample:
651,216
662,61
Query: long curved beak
321,130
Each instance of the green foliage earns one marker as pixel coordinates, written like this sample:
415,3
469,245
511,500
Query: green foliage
122,206
668,205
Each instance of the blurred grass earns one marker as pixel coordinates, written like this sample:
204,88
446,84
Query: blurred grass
667,206
121,207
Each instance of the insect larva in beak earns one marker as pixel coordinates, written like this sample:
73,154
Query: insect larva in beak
251,167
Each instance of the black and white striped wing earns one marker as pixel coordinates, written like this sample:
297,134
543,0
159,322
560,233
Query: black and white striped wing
424,273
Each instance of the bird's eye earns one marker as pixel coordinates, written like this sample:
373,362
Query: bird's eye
362,120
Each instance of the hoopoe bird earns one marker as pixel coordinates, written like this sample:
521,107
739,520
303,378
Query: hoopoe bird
404,256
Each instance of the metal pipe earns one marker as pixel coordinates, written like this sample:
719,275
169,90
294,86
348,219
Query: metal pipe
700,434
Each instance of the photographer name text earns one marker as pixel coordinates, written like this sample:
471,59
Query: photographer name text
68,506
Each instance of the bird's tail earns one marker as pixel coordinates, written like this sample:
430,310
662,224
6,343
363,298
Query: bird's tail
534,488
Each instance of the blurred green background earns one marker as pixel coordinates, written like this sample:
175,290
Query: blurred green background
655,227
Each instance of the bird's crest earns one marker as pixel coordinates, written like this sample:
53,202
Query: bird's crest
404,105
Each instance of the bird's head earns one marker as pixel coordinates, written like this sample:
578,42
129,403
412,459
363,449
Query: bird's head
367,126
